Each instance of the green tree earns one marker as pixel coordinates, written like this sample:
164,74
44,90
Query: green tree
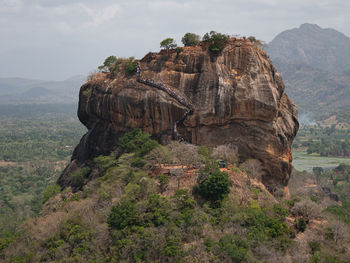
190,39
214,186
108,63
216,41
124,214
168,43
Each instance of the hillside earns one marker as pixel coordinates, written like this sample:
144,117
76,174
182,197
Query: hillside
186,159
156,206
313,62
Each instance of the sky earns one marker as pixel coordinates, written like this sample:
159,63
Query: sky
57,39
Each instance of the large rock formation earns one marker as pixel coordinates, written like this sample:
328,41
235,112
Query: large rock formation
238,97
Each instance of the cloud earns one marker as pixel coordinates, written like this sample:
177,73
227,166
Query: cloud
101,15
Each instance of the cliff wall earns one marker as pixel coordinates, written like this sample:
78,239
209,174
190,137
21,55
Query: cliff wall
238,98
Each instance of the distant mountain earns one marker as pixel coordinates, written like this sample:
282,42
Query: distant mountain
315,65
20,90
325,49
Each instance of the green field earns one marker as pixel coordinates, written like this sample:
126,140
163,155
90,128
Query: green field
303,161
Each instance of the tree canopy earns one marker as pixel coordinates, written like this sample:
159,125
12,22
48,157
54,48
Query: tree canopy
216,40
108,63
168,43
190,39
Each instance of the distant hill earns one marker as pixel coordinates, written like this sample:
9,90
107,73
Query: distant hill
325,49
24,91
315,65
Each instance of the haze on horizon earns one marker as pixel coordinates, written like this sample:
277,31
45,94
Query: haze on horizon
56,39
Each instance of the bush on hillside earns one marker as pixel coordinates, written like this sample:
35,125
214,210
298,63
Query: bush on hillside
114,65
123,215
138,142
216,41
50,191
213,185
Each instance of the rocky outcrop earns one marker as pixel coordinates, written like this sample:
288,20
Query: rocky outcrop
238,98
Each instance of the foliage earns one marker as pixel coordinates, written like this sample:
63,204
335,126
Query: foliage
73,236
300,224
236,247
280,211
314,246
215,40
124,214
114,65
324,141
79,176
36,142
108,63
163,182
262,227
214,186
179,50
190,39
138,142
168,43
103,163
50,191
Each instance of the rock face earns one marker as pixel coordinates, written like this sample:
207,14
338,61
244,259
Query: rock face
238,98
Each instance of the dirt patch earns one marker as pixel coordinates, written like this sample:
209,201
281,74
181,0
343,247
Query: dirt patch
5,163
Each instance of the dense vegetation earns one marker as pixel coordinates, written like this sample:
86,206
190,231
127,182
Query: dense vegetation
132,213
114,65
34,148
328,141
215,40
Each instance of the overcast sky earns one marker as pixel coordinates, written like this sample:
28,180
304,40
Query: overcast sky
57,39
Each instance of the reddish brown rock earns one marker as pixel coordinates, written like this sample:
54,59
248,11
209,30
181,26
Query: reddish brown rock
238,98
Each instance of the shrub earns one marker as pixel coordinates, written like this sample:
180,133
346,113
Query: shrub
103,162
307,209
138,142
314,246
183,199
226,153
190,39
216,41
115,65
163,182
236,247
300,224
131,67
108,63
261,226
137,162
215,187
50,191
158,209
179,50
123,215
280,211
79,176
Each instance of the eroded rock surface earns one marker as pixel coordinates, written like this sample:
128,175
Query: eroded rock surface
238,97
